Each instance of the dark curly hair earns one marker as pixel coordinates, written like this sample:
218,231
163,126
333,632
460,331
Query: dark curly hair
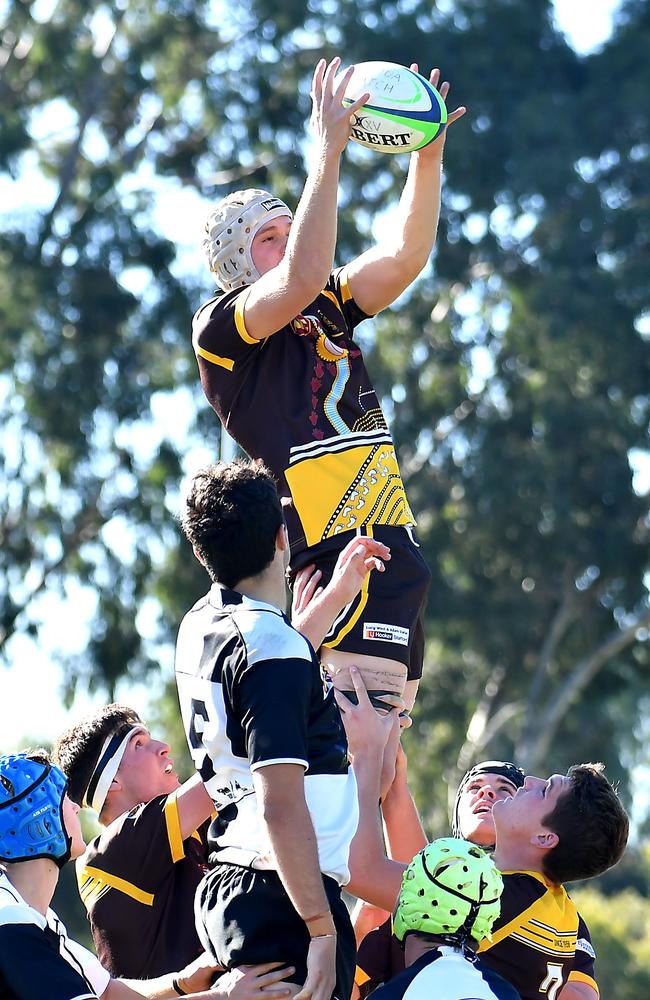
77,750
231,517
592,826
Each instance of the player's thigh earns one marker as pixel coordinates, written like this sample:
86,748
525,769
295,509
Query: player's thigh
381,676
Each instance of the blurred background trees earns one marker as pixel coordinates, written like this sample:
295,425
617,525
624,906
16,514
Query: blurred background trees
515,374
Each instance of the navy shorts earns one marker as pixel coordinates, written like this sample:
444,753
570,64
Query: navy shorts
387,618
244,917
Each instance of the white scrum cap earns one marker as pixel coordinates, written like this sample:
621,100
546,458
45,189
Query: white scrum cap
231,228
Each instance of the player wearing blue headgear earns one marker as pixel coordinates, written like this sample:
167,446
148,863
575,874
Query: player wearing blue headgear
39,833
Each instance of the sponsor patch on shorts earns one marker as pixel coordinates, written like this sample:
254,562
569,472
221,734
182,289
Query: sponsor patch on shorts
386,633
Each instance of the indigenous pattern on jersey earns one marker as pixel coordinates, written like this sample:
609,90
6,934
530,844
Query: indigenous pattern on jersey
444,974
251,694
137,879
302,401
38,959
535,939
538,943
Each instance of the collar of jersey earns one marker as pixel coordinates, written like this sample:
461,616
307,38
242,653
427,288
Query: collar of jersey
35,916
219,598
535,875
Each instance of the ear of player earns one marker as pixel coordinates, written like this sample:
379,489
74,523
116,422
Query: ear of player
404,112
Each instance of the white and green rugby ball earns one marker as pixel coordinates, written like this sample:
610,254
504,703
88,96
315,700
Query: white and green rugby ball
404,111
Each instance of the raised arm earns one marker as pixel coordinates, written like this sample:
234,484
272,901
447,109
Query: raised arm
380,275
404,833
373,877
315,608
305,265
194,805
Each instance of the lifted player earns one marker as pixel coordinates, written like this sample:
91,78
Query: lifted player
280,367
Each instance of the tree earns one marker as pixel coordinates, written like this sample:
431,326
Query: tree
515,373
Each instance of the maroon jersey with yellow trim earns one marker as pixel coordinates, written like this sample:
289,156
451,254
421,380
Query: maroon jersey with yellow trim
137,880
302,401
539,942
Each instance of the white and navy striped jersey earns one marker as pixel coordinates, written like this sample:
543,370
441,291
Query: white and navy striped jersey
251,694
445,974
38,959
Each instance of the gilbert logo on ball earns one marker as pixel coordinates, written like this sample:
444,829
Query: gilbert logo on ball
404,111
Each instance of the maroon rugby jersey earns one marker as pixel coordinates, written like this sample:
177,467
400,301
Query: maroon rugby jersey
137,881
302,401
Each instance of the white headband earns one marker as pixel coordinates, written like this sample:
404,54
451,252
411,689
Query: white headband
106,768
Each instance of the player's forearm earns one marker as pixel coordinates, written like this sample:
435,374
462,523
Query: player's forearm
153,989
416,225
310,251
315,621
404,833
373,876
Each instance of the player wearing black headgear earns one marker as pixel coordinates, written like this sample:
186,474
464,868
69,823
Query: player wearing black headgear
539,942
479,788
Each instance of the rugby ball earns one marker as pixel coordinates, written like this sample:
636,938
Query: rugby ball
404,111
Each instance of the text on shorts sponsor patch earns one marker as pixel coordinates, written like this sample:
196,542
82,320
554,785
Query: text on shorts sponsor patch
386,633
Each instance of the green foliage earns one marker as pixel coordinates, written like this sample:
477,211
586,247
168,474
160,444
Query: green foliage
515,374
620,932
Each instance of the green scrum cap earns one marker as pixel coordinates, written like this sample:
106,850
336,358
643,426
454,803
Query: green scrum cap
452,889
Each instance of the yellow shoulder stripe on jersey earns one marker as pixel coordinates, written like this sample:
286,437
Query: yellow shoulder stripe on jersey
345,287
330,295
580,977
239,319
227,363
93,880
173,821
548,925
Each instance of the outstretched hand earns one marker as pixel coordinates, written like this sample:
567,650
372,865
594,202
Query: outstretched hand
355,561
436,147
321,969
331,120
368,732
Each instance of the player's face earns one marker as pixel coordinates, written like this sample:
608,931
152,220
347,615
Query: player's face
269,243
475,806
73,828
146,769
522,816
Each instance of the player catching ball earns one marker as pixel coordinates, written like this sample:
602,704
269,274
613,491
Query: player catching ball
280,366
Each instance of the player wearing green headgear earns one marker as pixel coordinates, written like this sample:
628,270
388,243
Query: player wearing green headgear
449,900
566,828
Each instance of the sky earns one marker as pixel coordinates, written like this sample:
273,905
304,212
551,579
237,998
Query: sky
33,680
